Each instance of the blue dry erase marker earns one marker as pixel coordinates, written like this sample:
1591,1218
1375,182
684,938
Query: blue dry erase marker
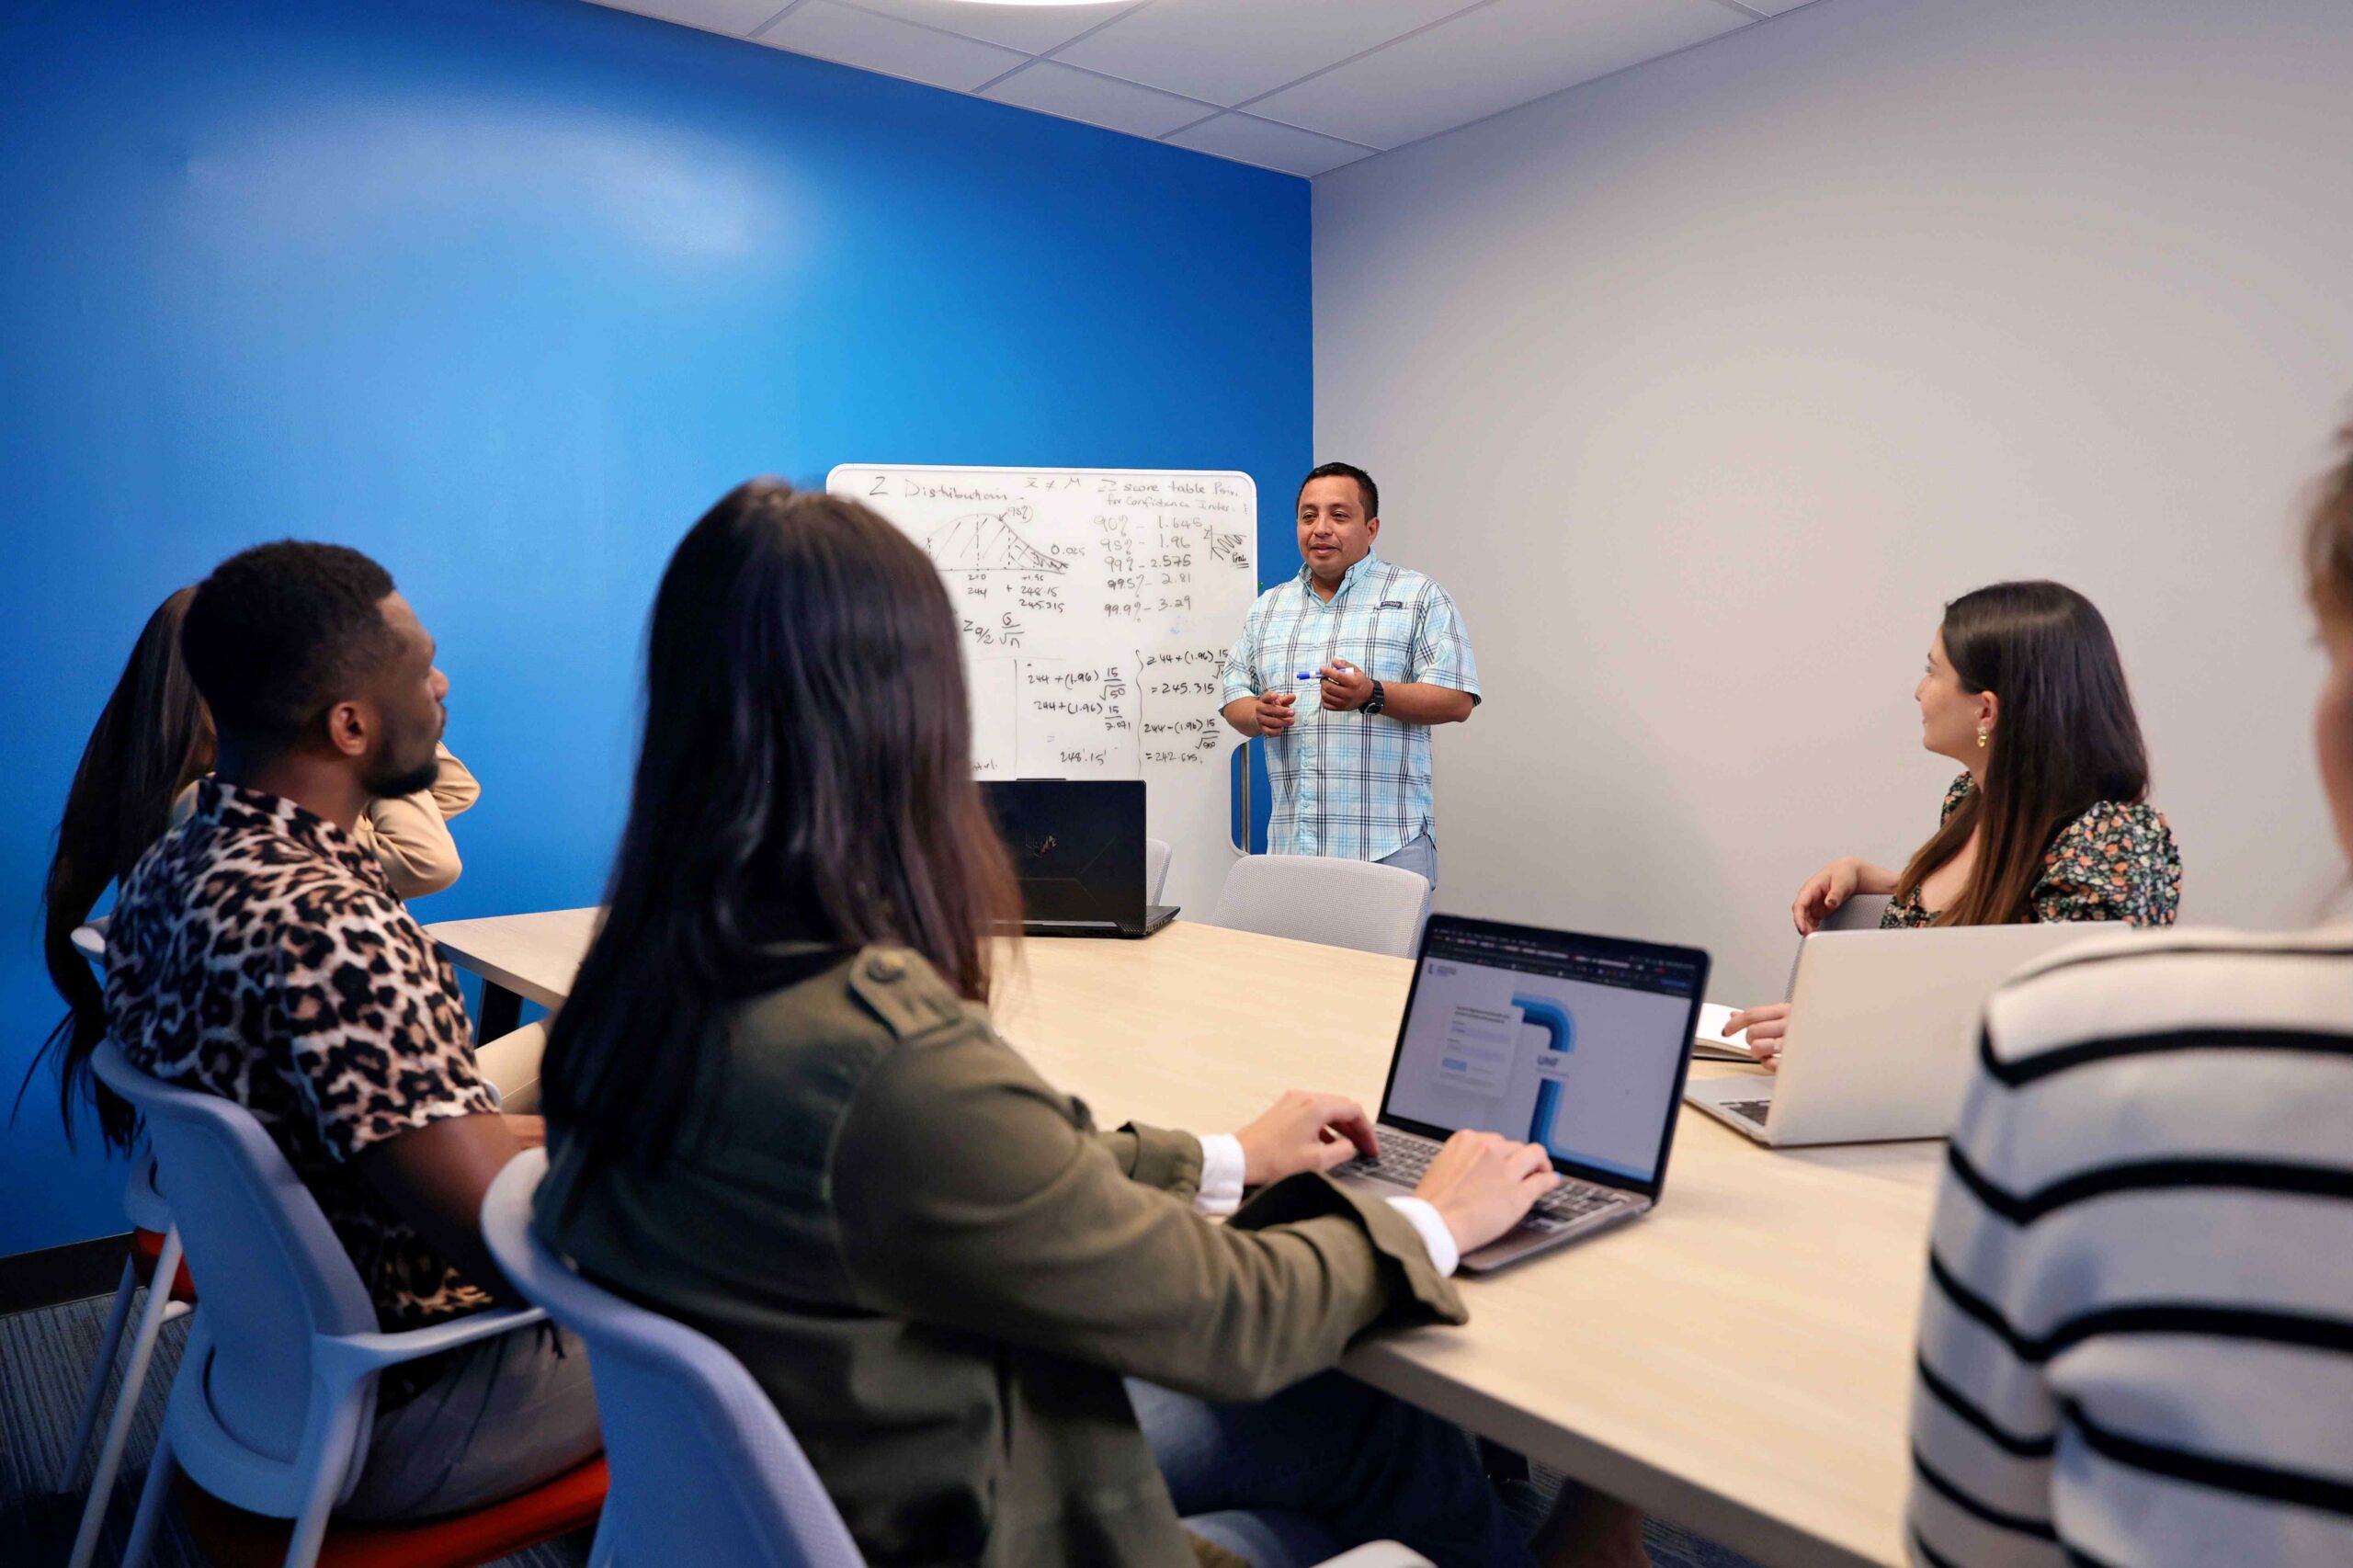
1310,694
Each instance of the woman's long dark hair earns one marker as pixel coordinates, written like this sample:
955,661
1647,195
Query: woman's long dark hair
2328,535
2067,740
806,777
152,739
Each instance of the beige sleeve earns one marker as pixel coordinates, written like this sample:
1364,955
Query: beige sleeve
456,790
410,834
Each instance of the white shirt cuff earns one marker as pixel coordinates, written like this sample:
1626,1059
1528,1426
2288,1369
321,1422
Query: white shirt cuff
1444,1253
1221,1166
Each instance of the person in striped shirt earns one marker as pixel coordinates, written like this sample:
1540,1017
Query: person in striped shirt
2136,1343
1382,655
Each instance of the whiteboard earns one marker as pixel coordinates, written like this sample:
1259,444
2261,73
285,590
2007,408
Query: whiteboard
1097,607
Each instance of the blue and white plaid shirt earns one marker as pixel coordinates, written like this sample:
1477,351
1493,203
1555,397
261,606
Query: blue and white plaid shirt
1351,785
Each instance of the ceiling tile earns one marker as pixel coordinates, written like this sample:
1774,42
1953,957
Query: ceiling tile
1098,100
737,18
852,37
1225,50
1033,29
1774,8
1489,60
1249,140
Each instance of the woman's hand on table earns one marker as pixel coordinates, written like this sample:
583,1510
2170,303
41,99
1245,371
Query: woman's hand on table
1306,1131
1762,1028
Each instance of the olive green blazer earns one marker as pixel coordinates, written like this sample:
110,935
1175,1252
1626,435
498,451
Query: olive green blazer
940,1271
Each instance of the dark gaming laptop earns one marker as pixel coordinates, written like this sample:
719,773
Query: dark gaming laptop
1579,1043
1077,846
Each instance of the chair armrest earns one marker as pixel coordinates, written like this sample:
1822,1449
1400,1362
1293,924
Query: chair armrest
342,1364
346,1357
1377,1554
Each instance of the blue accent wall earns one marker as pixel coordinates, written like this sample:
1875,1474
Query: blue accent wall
505,292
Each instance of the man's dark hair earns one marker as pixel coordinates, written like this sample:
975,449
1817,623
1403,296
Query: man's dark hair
1366,491
280,630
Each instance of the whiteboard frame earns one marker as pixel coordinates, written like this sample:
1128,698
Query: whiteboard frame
1237,799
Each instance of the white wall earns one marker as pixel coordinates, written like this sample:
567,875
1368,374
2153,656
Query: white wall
1704,386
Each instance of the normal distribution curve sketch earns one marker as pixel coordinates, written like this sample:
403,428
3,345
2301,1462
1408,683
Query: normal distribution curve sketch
989,542
1096,608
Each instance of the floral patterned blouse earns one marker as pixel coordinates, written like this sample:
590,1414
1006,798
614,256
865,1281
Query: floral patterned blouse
2114,862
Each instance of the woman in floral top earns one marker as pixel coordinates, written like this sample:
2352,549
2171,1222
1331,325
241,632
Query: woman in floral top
2050,820
2117,861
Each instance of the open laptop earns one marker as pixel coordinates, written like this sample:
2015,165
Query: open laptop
1579,1043
1882,1033
1861,912
1077,847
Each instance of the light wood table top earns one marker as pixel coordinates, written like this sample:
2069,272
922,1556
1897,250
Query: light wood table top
1738,1363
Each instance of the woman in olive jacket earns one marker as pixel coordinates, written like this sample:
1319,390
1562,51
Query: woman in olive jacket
778,1112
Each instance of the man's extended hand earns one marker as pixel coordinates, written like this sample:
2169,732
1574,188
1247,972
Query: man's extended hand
1304,1132
1274,713
1345,687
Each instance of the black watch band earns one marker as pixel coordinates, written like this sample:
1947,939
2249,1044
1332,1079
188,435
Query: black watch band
1378,700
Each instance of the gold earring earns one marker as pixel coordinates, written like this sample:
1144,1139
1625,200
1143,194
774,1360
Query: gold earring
1983,732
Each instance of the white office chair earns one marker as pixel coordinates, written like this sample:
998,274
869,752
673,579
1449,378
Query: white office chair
701,1458
1861,912
1157,853
271,1409
143,1206
1311,897
511,1064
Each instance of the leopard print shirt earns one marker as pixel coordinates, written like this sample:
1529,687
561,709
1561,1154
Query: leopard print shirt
258,953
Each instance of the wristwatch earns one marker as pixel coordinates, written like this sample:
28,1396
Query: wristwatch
1380,697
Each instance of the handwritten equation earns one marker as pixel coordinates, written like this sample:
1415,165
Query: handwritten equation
1095,608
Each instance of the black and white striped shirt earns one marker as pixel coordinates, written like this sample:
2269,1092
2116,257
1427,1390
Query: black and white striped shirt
2136,1347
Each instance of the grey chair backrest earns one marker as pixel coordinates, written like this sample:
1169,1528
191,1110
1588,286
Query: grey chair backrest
1310,898
273,1273
1861,912
1157,854
697,1452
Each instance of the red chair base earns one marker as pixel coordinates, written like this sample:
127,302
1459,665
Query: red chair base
231,1538
146,1251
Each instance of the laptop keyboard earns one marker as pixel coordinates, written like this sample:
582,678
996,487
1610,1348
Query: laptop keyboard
1404,1162
1749,1110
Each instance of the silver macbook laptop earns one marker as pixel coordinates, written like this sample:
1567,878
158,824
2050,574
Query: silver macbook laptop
1882,1031
1579,1043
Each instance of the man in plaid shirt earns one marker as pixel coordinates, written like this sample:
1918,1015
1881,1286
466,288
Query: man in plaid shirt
1390,657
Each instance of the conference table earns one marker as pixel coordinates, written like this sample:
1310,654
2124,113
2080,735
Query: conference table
1739,1363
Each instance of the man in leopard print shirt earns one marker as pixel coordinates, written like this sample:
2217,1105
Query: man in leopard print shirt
258,953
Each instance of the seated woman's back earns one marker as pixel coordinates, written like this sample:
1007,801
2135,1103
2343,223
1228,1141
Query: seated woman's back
2138,1259
928,1258
153,739
778,1109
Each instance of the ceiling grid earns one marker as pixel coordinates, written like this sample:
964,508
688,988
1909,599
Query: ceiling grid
1303,87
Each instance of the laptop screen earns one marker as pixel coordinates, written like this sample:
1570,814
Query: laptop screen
1077,847
1579,1043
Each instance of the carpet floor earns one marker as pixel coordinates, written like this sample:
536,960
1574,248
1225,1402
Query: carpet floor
45,1358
